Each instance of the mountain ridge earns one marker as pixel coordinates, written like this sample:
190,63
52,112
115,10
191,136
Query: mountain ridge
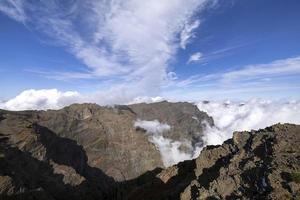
108,131
43,156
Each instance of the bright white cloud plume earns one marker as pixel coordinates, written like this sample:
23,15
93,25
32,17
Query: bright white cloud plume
195,57
251,115
41,100
132,41
168,148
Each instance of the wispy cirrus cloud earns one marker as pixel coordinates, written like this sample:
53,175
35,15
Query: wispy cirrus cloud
14,9
289,66
188,33
204,58
63,75
264,72
251,81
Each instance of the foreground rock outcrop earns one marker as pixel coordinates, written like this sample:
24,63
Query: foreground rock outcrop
263,164
92,152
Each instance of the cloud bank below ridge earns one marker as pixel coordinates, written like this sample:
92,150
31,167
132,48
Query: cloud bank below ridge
246,116
228,117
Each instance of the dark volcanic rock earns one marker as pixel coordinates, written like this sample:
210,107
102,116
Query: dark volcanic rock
92,152
106,134
263,164
36,164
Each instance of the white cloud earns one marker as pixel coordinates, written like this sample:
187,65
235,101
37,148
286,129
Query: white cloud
289,66
171,76
154,127
250,78
211,86
14,9
195,57
169,149
246,116
194,79
187,33
146,99
217,54
54,99
133,40
228,117
41,100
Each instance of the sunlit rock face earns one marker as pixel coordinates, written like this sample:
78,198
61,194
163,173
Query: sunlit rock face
108,135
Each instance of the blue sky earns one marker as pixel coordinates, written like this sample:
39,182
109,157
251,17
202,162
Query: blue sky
115,51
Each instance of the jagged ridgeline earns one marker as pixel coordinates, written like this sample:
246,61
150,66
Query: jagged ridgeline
86,151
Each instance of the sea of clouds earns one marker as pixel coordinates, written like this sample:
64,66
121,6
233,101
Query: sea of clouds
246,116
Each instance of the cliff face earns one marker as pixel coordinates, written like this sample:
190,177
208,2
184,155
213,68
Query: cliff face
107,134
93,152
184,118
36,164
108,137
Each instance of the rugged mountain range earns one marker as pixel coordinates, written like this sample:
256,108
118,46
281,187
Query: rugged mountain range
86,151
107,134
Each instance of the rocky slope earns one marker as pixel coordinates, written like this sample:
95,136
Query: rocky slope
263,164
107,134
92,152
